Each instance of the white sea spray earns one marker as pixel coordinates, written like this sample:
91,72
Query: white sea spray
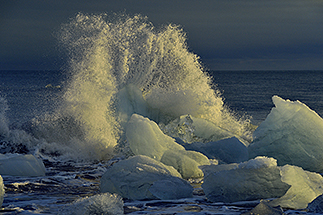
123,65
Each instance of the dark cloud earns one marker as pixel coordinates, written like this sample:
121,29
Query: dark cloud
227,34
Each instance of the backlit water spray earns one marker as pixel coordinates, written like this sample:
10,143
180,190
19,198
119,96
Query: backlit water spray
127,66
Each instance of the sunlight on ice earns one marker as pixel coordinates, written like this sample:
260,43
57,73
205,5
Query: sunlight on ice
193,129
292,134
255,179
261,178
145,138
2,192
305,187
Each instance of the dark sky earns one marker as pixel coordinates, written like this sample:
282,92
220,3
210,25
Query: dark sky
226,34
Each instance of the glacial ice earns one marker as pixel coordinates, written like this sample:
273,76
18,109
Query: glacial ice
146,138
104,203
213,168
292,133
141,177
185,162
21,165
259,162
192,129
1,191
229,150
261,178
129,101
305,187
258,178
264,208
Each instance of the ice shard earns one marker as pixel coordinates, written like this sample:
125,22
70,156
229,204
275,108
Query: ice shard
255,179
141,177
293,134
21,165
1,191
145,138
305,187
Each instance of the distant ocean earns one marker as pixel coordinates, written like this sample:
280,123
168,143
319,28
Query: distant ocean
250,92
31,93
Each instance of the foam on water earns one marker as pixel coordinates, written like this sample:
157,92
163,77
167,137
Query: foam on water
123,65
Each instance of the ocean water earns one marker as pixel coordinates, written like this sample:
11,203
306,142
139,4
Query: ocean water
245,92
250,92
74,119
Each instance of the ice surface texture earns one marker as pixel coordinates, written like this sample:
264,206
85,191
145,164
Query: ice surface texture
1,191
260,178
305,187
130,100
293,134
105,203
192,129
146,138
256,179
141,177
229,150
264,208
21,165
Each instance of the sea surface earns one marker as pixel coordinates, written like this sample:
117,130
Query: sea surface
31,94
250,92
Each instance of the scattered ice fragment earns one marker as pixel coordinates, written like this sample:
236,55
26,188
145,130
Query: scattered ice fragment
181,128
229,150
305,187
185,162
129,101
1,191
104,203
209,169
250,181
264,208
192,129
259,162
141,177
21,165
171,189
293,134
145,138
